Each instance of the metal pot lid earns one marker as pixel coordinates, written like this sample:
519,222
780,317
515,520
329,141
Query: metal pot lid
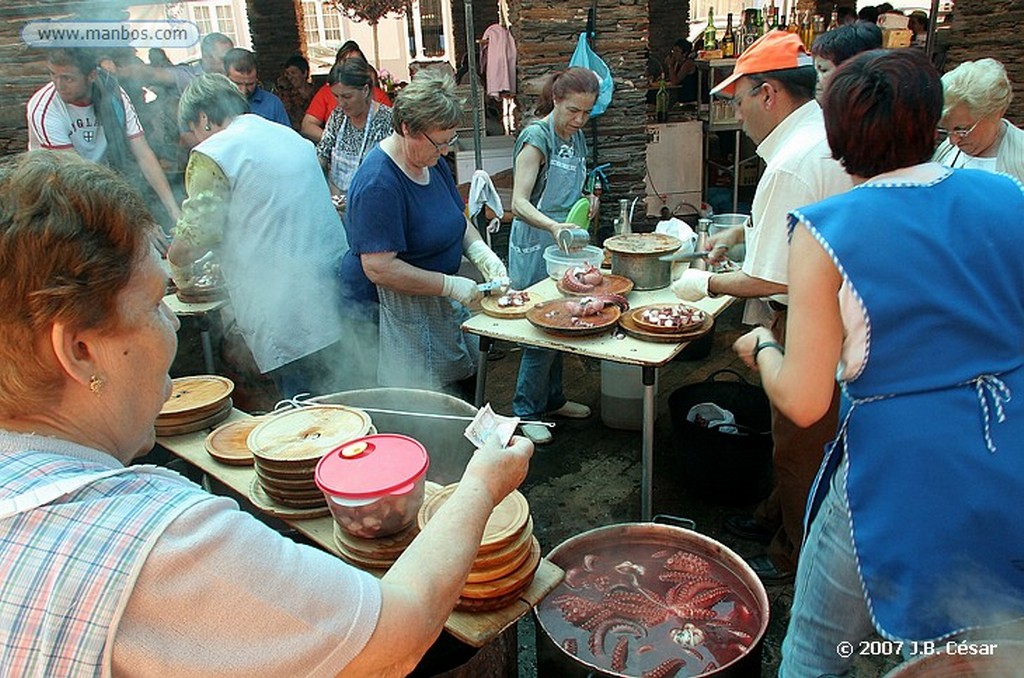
372,466
642,243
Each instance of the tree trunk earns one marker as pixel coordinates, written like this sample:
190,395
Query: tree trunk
376,47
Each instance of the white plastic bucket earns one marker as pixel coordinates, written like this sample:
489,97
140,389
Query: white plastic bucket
622,395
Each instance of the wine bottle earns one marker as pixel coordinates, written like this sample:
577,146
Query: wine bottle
728,39
710,36
661,103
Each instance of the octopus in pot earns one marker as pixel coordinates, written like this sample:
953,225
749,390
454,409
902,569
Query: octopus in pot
581,279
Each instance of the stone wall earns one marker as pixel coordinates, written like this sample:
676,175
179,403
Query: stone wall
546,32
273,25
990,28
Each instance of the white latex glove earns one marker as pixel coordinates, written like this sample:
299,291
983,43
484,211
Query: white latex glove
486,261
692,285
462,290
181,275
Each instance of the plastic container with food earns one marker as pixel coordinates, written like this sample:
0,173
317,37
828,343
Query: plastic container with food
374,485
558,261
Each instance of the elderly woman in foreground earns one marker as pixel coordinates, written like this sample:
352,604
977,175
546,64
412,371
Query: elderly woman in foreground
133,570
915,529
408,230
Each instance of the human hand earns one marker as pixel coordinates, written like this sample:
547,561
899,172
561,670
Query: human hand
692,285
461,289
501,470
720,243
744,346
486,261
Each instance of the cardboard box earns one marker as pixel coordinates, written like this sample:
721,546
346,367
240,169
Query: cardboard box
891,20
893,38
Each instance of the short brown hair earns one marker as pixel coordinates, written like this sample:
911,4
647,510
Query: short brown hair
881,111
71,232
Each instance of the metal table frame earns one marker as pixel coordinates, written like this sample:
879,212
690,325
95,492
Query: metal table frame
628,350
201,312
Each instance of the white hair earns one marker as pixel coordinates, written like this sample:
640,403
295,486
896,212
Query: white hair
981,85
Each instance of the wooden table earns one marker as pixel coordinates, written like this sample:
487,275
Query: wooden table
648,355
201,311
473,628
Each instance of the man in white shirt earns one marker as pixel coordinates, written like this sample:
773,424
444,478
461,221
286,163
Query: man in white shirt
772,91
83,109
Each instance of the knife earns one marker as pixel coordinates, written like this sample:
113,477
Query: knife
691,256
491,285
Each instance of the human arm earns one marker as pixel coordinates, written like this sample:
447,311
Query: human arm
203,214
312,128
528,165
328,137
801,382
422,587
154,174
696,284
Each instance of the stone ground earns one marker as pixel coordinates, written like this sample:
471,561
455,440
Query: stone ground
589,476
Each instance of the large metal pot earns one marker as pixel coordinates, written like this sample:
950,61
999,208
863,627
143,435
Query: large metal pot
618,598
637,257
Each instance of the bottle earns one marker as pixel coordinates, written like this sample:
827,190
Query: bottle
661,103
703,225
749,29
783,26
621,225
759,22
794,24
773,16
710,37
833,21
728,40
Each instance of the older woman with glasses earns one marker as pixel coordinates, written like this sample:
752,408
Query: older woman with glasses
977,94
407,229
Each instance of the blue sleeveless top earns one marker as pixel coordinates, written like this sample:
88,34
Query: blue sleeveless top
933,423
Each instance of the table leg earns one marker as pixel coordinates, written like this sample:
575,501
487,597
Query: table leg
207,344
647,451
481,370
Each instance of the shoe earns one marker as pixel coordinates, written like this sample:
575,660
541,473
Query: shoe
766,571
745,526
571,410
540,435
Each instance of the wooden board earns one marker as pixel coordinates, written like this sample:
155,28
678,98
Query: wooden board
507,520
190,426
227,445
307,433
633,330
554,317
491,308
642,243
194,393
610,284
637,317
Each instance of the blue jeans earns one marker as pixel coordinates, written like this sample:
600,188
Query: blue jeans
829,607
539,386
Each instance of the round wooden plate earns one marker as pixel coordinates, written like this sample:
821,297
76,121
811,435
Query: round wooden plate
379,548
490,604
636,315
502,569
195,393
307,433
206,421
291,484
507,519
202,295
637,332
610,284
642,243
554,316
491,559
491,308
227,445
511,582
261,500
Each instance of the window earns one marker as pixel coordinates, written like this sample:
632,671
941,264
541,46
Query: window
428,26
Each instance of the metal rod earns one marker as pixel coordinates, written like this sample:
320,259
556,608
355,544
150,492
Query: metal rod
428,415
474,85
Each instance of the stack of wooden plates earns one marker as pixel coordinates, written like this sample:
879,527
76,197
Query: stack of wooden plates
379,553
508,555
195,403
286,449
227,443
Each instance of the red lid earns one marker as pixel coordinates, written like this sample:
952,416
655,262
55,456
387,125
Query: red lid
372,466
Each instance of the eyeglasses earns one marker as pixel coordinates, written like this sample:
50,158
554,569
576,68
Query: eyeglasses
957,132
735,101
447,144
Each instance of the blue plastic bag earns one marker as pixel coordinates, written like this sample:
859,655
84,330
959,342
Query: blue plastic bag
585,57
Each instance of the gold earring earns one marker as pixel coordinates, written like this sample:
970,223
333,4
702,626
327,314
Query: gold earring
95,384
206,127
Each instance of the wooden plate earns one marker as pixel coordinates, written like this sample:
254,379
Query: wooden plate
306,433
491,308
291,484
207,421
490,604
554,316
227,445
507,519
642,243
502,569
201,295
513,581
636,315
490,559
380,548
633,330
195,393
261,500
610,284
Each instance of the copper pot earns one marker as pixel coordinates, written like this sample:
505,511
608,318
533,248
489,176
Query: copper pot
715,632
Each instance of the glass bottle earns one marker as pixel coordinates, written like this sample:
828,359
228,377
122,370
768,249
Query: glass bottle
759,22
794,24
749,29
661,103
621,225
703,225
728,39
773,16
710,36
783,26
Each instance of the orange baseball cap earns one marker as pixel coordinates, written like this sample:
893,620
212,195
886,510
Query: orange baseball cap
773,51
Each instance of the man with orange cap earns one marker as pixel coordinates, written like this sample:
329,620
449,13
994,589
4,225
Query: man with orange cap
772,92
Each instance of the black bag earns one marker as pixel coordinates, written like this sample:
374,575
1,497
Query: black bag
728,468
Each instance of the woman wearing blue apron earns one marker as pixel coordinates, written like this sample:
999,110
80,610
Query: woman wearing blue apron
914,526
550,169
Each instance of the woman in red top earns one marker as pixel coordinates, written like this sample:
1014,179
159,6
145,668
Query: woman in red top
324,103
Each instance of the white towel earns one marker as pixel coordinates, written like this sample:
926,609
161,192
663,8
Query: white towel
482,192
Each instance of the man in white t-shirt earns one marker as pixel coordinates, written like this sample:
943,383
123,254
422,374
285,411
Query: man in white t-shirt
64,115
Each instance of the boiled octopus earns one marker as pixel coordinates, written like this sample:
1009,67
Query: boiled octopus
581,279
588,306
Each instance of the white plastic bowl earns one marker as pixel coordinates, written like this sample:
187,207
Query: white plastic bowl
558,261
